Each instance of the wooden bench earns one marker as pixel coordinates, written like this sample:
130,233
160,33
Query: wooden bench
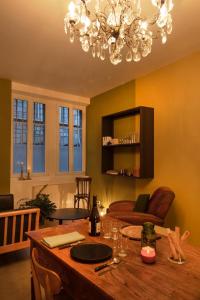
13,225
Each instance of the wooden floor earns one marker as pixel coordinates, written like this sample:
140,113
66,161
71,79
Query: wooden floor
15,275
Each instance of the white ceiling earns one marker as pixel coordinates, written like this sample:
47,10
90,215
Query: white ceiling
35,50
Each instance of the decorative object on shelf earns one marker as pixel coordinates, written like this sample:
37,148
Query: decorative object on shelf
176,242
148,235
148,255
131,139
122,172
115,141
118,26
112,172
107,140
42,201
136,172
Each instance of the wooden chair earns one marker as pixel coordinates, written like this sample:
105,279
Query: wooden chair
13,225
47,279
82,191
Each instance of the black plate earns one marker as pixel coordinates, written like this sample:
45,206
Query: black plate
91,252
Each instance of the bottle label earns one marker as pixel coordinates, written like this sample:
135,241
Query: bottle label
98,227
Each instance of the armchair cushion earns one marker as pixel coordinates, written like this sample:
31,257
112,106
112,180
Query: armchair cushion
141,203
124,205
136,218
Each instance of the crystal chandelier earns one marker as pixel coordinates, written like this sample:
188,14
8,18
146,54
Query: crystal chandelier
117,26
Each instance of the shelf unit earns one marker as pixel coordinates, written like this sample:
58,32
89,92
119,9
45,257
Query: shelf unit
143,148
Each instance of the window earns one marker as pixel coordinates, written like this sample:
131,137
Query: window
48,136
20,113
64,139
77,135
38,137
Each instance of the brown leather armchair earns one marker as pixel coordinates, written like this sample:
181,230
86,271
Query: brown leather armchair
156,211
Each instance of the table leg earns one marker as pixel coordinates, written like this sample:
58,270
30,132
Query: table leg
60,222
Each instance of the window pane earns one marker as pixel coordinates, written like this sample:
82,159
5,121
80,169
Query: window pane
77,114
38,137
64,139
20,111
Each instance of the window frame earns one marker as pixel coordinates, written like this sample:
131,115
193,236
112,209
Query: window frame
51,148
71,107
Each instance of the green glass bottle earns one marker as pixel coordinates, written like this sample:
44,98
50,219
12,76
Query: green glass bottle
148,235
94,219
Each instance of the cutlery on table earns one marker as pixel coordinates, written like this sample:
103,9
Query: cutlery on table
115,260
69,245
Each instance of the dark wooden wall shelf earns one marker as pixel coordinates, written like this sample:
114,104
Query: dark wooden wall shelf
143,148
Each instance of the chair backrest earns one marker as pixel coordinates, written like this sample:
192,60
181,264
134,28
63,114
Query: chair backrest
13,225
160,202
6,202
83,186
48,279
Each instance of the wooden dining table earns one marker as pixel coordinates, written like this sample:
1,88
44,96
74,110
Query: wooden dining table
130,279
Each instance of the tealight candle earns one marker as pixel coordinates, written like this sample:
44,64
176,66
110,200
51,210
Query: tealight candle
148,255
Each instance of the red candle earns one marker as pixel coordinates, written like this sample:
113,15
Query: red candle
148,255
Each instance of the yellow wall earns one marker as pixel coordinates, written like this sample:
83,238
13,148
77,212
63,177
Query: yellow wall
174,92
5,135
107,188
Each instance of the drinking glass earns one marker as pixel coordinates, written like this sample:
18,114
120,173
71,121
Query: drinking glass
106,228
115,236
122,245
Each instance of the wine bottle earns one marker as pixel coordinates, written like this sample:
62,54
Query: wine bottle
94,219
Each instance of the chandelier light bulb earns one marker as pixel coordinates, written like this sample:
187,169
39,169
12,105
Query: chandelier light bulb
114,27
154,2
72,10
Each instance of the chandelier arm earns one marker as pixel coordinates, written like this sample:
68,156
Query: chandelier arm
154,19
113,9
121,16
101,26
86,8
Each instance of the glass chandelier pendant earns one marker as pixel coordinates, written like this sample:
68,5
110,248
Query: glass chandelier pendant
116,27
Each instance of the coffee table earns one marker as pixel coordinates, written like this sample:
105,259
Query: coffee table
69,214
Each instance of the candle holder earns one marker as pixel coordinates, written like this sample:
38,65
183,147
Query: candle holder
148,255
28,175
176,243
178,261
21,177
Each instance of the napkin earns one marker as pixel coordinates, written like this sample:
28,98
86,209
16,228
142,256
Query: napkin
61,239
